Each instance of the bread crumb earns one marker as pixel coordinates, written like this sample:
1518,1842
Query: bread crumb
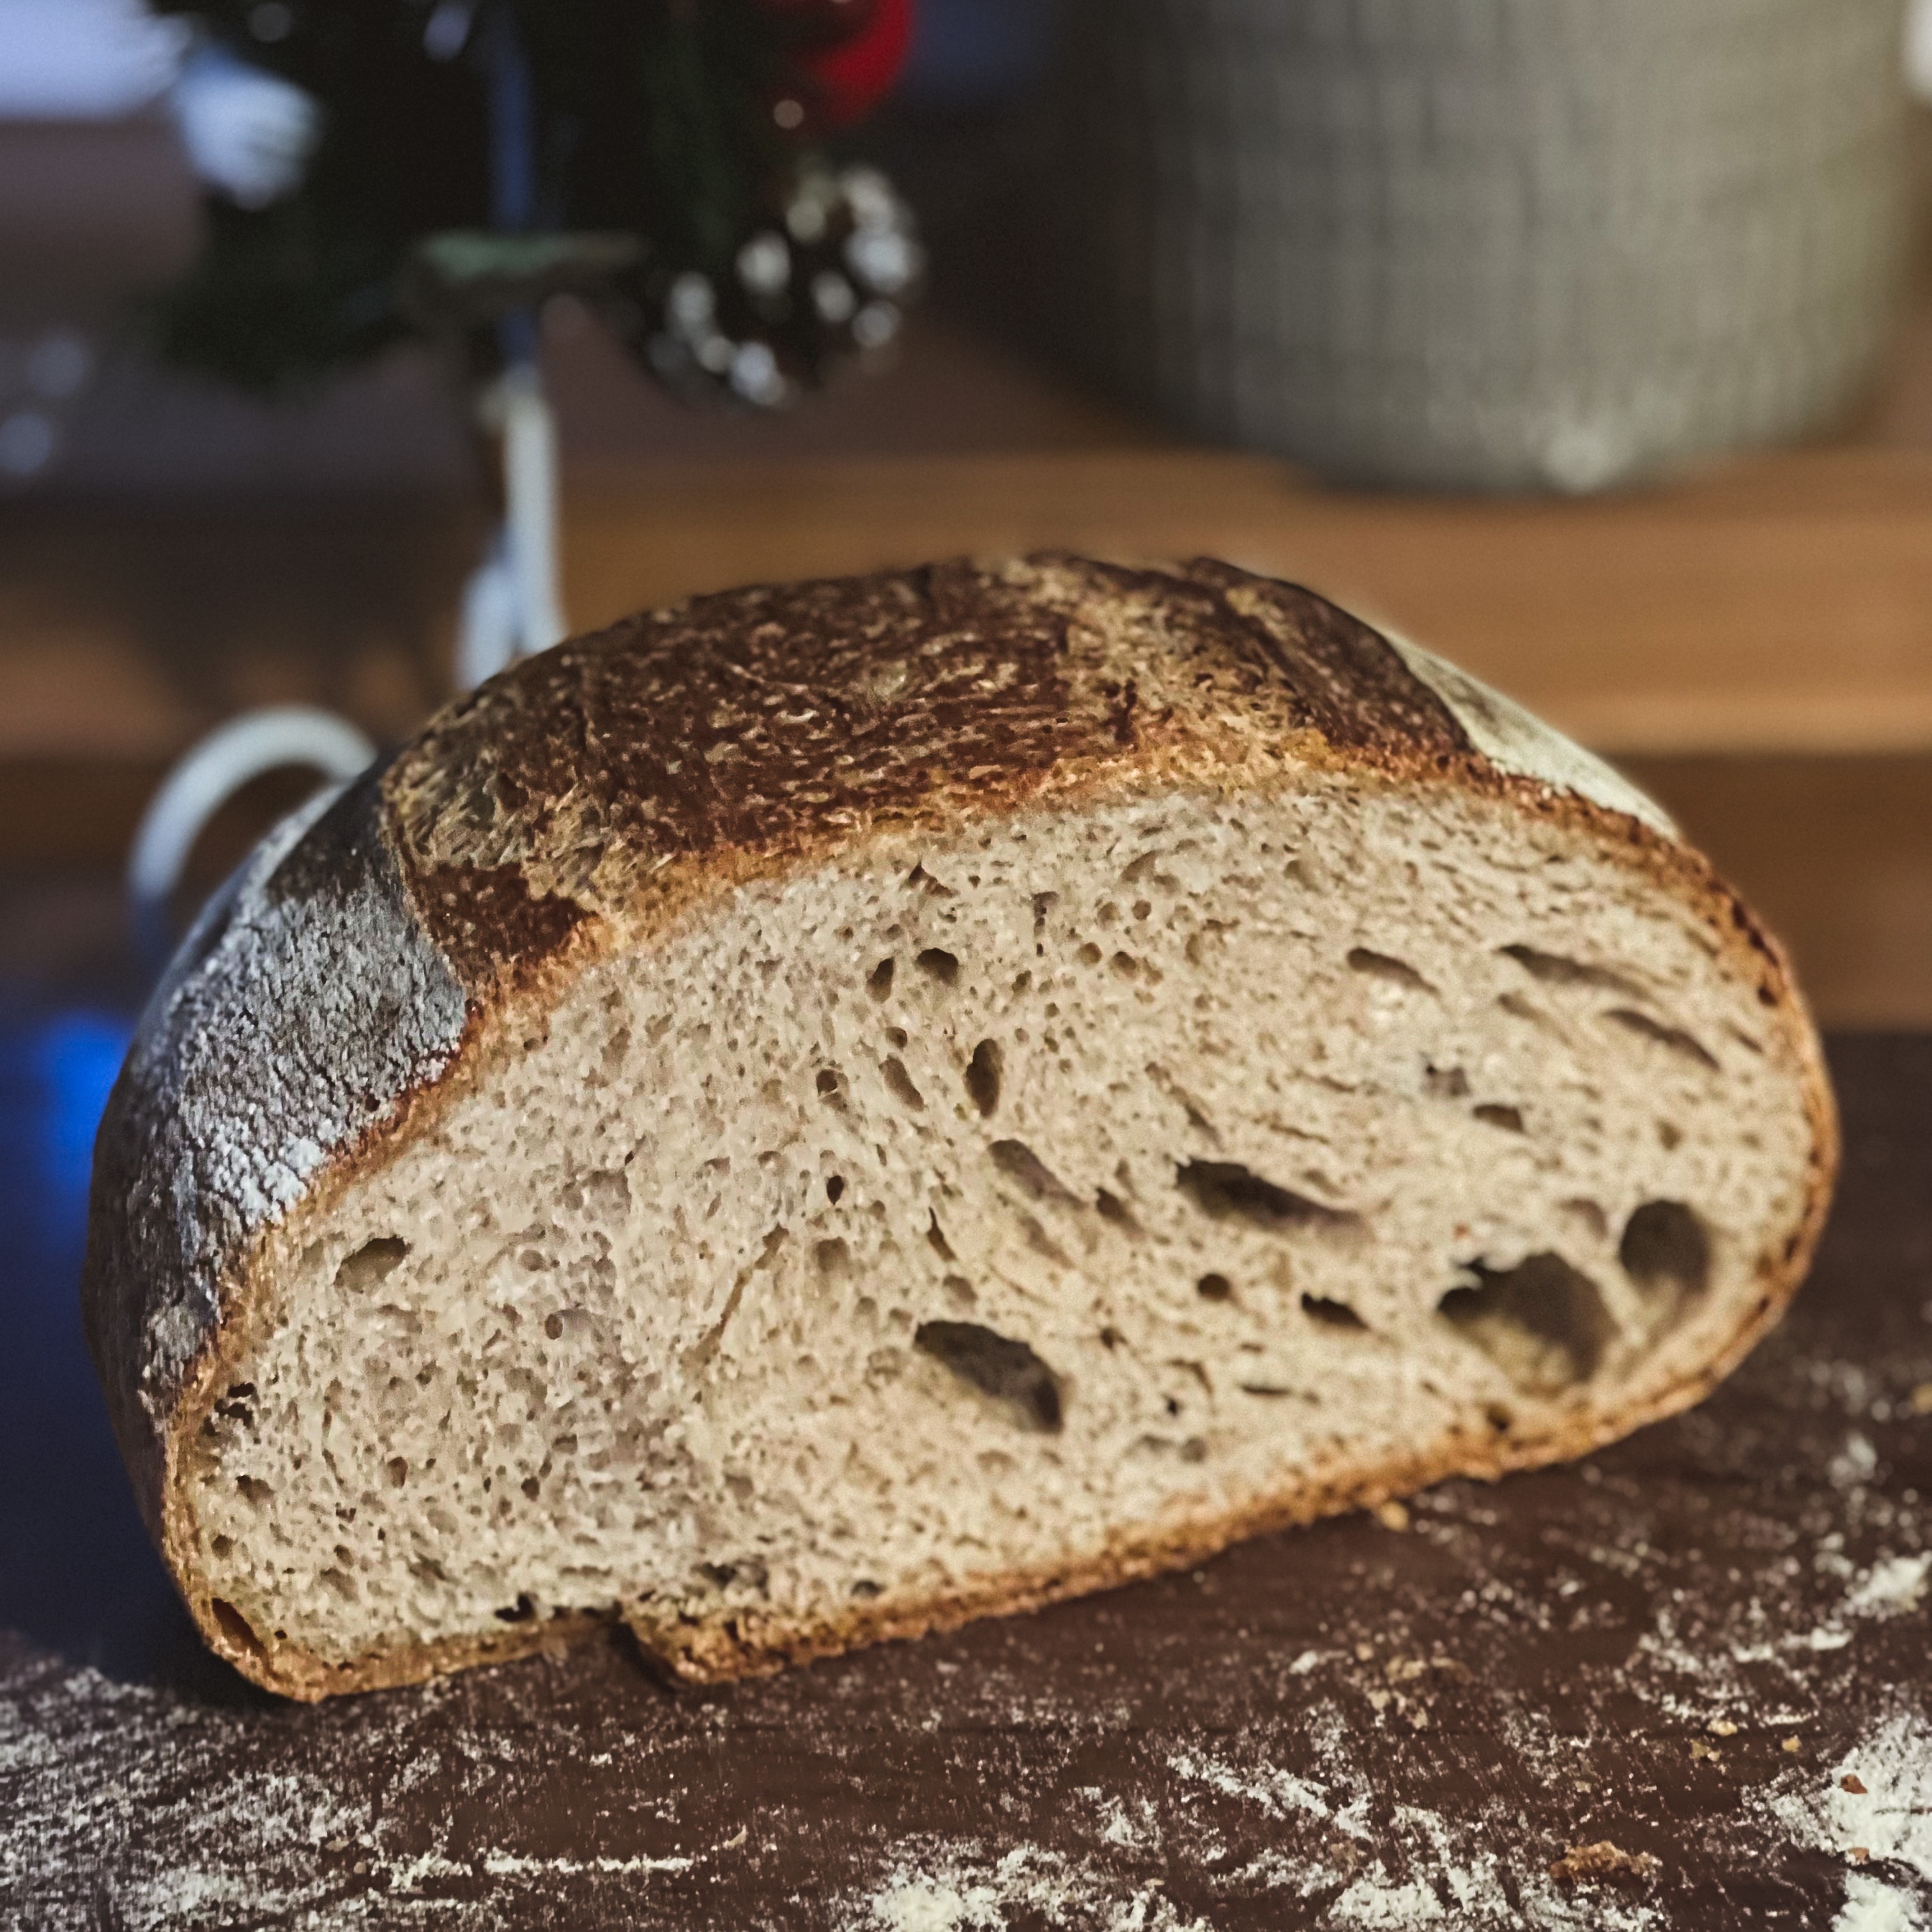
1721,1727
1852,1782
1364,1653
1391,1515
1604,1863
1793,1745
1699,1748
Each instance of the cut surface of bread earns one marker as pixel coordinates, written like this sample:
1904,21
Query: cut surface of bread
956,1209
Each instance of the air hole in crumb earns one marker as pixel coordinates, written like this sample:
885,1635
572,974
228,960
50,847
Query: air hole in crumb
1043,903
1670,1136
831,1085
553,1327
899,1082
938,964
237,1405
1007,1370
1499,1418
1017,1160
1125,965
865,1589
221,1545
1552,969
1110,1338
879,981
1517,1007
1224,1187
1590,1214
1497,1115
606,1194
983,1072
1214,1288
1385,966
1112,1208
254,1490
1089,954
1674,1039
1666,1251
935,1237
615,1048
531,1487
1542,1323
371,1263
1444,1083
1330,1313
834,1187
1042,1243
832,1257
959,1289
520,1612
237,1628
399,1472
897,1035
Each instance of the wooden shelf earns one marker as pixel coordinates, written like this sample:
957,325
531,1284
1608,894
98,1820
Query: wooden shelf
1782,605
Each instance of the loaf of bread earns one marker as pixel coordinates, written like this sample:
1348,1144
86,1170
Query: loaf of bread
836,1109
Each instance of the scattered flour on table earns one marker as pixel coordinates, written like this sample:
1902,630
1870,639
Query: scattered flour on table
1889,1822
955,1888
1427,1877
194,1835
1891,1819
1873,1906
1277,1793
1890,1588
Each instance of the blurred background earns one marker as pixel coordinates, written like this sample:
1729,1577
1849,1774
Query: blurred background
1589,342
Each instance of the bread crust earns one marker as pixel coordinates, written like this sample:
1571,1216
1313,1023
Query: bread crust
360,972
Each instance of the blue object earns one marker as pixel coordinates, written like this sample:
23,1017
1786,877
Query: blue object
513,159
76,1570
977,53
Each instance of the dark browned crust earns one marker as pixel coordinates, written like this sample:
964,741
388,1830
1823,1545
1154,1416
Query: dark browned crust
585,798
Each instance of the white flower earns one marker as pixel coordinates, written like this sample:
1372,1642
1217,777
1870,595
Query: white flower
248,133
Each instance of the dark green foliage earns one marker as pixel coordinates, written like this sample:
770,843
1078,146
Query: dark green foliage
652,119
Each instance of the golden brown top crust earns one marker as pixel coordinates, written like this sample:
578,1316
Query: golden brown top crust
758,725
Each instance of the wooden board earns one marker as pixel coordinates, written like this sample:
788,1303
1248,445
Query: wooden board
1784,604
1704,1649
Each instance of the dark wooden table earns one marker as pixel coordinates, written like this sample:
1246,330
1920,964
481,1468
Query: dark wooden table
1684,1683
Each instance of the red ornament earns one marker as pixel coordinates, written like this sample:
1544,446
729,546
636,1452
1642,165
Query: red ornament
844,79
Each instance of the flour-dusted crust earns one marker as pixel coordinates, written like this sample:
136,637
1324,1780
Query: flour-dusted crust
369,960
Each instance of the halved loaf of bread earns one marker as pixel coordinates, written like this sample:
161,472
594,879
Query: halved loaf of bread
839,1108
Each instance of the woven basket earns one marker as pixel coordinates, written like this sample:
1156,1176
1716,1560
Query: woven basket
1499,244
